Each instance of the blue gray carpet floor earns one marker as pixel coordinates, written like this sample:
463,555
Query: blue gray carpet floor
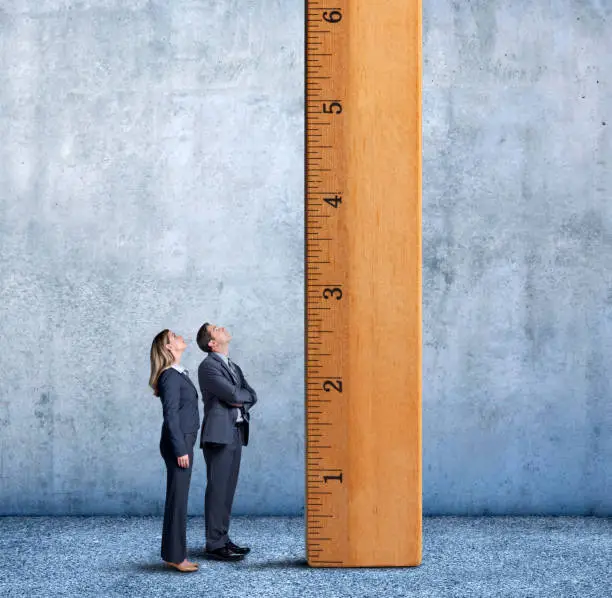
485,557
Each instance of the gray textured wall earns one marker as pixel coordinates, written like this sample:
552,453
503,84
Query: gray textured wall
151,175
517,219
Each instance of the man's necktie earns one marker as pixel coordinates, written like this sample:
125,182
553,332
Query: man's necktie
239,410
233,369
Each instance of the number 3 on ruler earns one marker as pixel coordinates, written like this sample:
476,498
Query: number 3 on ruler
335,292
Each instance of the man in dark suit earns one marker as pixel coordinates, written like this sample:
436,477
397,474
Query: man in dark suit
227,399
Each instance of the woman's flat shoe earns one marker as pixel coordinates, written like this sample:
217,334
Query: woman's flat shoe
183,568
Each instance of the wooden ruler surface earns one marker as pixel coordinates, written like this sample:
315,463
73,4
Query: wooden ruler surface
363,283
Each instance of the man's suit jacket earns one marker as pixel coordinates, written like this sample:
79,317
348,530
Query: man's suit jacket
220,389
179,399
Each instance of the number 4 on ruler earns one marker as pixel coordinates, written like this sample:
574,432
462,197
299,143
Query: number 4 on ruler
334,202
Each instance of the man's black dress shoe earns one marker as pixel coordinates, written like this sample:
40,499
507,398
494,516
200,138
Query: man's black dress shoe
223,554
237,549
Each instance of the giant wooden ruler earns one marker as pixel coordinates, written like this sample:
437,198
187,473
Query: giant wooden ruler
363,283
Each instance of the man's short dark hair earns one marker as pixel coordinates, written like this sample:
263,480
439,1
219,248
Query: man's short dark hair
204,338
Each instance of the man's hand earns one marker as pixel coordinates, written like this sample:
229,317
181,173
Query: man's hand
183,461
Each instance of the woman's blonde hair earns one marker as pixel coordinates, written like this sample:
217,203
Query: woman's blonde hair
161,359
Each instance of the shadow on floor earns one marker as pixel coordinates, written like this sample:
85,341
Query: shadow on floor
154,568
200,555
283,564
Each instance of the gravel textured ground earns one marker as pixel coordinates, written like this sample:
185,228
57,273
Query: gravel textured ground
485,557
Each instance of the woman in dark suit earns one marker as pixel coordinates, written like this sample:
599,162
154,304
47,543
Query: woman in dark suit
179,398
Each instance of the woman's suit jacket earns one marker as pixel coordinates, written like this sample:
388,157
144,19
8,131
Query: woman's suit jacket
179,399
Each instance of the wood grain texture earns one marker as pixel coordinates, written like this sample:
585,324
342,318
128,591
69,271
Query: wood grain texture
365,150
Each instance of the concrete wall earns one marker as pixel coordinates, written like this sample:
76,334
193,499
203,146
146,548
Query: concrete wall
517,217
151,176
